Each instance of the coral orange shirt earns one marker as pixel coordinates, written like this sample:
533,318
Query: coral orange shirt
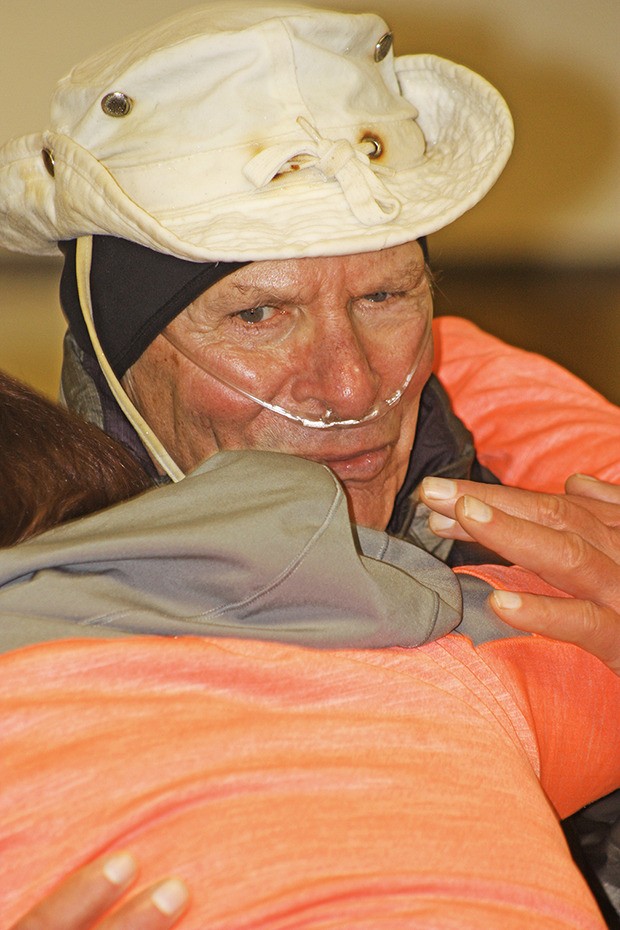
534,423
294,788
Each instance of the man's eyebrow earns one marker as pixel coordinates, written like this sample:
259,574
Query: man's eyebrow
243,288
409,275
416,269
264,294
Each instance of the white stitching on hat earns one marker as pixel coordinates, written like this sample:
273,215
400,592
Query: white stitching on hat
369,199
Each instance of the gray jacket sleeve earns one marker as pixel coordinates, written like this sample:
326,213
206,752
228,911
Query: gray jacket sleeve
252,544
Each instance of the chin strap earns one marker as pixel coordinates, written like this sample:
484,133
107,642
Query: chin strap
83,257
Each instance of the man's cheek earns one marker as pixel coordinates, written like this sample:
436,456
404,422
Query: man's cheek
220,413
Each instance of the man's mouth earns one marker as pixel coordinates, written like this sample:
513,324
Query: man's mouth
358,466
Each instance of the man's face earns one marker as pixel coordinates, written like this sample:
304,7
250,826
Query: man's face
310,334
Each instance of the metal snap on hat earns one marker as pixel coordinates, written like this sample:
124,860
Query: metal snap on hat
247,131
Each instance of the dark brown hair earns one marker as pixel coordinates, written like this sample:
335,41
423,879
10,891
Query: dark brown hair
54,466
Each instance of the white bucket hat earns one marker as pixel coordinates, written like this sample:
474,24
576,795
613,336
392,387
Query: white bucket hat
249,131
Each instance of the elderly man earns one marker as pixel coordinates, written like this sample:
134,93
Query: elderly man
257,279
242,196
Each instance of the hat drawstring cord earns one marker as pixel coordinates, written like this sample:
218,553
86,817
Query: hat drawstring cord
368,198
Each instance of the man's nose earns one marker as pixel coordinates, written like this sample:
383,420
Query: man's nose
335,371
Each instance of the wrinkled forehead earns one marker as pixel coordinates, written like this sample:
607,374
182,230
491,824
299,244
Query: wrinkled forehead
395,268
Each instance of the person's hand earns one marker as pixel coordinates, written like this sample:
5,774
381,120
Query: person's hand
83,898
571,540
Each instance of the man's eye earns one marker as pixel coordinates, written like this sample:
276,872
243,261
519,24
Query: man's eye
256,314
378,297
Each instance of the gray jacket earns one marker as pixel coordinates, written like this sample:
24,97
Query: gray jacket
252,544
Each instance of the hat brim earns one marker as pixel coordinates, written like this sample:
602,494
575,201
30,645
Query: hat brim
469,137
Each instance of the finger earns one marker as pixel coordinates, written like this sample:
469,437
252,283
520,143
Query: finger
156,908
447,528
557,511
594,628
593,488
563,559
446,524
441,495
561,511
83,897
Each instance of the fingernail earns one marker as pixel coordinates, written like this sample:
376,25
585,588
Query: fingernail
439,489
586,477
171,897
477,510
438,523
507,600
120,868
